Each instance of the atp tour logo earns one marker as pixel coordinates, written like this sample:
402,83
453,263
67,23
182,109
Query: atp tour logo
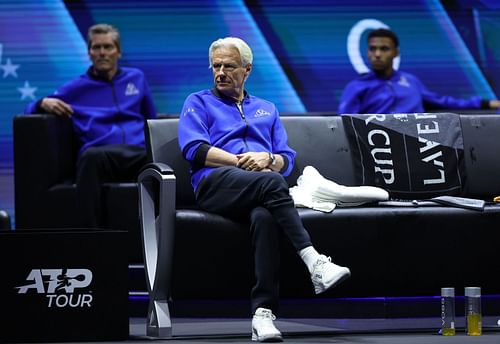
62,287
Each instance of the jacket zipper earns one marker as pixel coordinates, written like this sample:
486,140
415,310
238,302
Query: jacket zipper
240,110
117,104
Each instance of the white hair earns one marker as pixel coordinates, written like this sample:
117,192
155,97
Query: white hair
232,42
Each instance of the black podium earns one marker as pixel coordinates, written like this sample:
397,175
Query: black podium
63,285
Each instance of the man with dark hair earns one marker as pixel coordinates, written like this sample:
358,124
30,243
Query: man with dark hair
238,151
385,90
108,106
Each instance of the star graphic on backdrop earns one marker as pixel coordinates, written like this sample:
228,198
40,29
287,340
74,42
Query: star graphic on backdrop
27,91
9,69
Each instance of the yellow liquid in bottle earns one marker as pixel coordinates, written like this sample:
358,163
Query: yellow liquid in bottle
448,332
474,324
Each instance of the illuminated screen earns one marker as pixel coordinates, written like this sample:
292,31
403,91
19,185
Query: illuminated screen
305,52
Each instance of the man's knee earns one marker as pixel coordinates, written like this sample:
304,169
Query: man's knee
92,154
93,160
276,181
276,188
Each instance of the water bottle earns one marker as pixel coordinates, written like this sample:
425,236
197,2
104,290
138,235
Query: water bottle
473,311
448,311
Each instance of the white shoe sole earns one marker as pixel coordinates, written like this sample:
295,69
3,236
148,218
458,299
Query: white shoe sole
345,274
272,338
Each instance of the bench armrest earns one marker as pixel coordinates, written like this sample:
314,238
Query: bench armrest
157,215
161,168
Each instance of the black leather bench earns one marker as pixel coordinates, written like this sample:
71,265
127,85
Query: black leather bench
391,251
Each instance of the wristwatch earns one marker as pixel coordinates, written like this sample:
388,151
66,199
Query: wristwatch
273,159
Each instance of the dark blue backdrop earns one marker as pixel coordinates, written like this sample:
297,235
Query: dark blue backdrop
302,60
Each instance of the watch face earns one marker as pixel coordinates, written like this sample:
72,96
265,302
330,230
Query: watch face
273,159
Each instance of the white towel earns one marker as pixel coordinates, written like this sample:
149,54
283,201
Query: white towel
316,192
303,199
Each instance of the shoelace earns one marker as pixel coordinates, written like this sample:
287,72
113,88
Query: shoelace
266,315
322,261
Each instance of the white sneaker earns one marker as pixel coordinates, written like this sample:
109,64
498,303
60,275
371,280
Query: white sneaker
327,274
263,329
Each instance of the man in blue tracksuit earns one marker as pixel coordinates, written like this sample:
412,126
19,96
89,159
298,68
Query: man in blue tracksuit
108,106
385,90
238,151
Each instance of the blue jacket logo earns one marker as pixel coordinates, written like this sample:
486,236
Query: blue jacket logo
403,81
131,89
262,113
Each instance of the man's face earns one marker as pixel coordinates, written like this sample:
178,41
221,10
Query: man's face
381,52
229,74
104,53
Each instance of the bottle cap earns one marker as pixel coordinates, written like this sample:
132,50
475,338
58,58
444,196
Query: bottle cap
448,292
473,291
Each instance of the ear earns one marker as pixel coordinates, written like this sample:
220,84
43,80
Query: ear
248,70
397,52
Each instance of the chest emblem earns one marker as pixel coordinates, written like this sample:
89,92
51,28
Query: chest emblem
403,82
131,89
262,113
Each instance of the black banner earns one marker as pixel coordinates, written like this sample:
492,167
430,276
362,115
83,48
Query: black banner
413,156
63,285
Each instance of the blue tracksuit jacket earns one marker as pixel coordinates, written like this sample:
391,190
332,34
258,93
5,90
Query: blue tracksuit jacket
209,118
107,112
401,93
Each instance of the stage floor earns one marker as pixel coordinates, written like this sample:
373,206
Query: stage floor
362,331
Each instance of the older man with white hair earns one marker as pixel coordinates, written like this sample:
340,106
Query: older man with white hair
238,151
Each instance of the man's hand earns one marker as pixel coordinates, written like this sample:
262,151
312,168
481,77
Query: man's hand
494,104
253,161
56,107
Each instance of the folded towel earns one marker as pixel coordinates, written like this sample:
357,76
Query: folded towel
316,192
303,199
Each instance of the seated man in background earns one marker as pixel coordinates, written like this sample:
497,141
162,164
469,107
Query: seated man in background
238,151
108,105
385,90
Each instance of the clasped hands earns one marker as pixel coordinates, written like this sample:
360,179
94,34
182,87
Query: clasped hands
254,161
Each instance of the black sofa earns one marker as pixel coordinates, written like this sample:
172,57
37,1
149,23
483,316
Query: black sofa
391,250
45,152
